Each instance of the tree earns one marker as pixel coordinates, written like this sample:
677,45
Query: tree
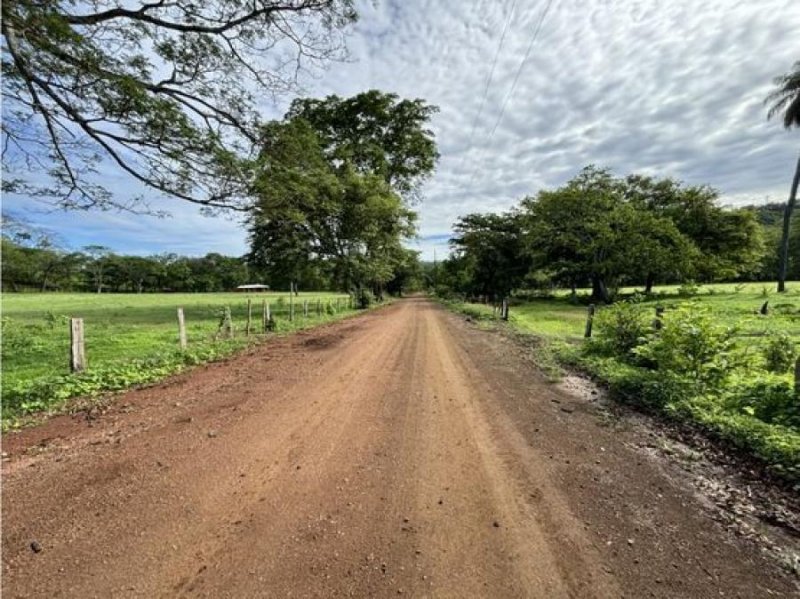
785,100
722,243
375,132
98,257
165,91
493,245
324,201
608,231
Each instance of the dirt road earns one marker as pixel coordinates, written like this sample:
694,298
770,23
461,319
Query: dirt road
402,452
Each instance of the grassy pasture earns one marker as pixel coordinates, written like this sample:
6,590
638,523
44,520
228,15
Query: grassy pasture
734,304
122,329
751,408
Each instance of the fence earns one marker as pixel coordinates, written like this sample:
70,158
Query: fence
256,317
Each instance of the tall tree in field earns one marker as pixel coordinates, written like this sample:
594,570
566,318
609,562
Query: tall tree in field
166,92
375,133
494,247
785,101
722,243
312,208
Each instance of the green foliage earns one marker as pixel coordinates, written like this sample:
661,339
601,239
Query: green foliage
130,340
167,92
364,299
376,133
688,289
767,397
691,344
319,210
495,262
620,328
779,352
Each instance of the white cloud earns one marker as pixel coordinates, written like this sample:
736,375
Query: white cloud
669,88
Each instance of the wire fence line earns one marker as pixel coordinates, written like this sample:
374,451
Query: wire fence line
255,317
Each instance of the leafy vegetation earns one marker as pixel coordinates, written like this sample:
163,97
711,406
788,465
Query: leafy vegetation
130,339
335,180
168,93
713,359
605,232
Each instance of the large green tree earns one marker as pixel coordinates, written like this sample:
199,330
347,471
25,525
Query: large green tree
375,133
492,245
590,229
166,92
313,208
726,243
785,101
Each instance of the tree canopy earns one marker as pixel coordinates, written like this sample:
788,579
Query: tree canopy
605,232
329,191
376,133
166,92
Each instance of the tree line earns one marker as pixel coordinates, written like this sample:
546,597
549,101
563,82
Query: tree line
331,204
604,231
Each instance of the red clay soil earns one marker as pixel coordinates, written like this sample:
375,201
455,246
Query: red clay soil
402,452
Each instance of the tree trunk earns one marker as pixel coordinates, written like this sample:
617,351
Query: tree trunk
783,259
600,291
648,285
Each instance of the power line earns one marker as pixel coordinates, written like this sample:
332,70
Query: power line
489,78
510,93
521,66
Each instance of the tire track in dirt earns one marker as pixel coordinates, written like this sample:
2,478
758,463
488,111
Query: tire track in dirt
382,456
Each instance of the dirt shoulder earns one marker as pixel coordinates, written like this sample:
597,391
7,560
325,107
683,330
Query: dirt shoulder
401,452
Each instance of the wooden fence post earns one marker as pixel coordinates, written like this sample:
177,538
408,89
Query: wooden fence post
305,308
589,320
181,330
249,317
226,326
77,362
291,308
264,316
337,304
504,310
319,307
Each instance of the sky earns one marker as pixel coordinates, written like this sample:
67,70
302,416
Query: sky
529,92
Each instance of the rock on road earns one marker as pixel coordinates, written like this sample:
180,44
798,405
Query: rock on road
401,452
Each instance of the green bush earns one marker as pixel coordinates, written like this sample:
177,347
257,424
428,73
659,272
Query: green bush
364,299
692,345
779,353
769,398
688,289
619,329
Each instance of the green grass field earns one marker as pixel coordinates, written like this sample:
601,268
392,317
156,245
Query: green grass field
734,304
124,328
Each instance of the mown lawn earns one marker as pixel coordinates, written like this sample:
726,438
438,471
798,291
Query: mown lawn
127,334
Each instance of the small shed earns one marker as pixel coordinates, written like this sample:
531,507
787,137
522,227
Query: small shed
254,287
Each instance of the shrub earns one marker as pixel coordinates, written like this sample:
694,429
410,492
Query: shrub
620,328
692,345
364,299
769,398
688,289
779,353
